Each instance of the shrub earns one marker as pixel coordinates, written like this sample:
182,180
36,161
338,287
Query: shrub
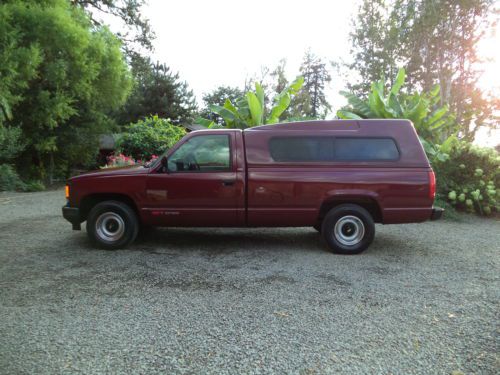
9,179
469,178
148,137
34,186
10,142
119,160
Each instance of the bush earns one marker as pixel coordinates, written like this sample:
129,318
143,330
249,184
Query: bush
469,178
10,142
34,186
119,161
148,137
9,179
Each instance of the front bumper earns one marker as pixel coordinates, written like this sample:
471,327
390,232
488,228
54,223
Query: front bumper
437,213
72,214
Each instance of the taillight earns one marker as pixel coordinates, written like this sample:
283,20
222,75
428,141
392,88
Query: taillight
67,191
432,185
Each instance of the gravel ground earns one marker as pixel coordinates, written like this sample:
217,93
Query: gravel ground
422,299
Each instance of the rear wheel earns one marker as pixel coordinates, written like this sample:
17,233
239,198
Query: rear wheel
348,229
112,225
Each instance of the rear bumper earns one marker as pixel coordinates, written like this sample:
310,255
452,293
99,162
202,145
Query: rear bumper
72,214
437,213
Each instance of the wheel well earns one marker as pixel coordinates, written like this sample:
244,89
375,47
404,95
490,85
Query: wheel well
367,203
91,200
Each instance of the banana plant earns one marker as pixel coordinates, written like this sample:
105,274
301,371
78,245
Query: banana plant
249,110
432,121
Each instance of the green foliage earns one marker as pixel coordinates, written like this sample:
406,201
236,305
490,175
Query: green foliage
18,61
249,110
437,42
35,185
157,91
120,160
451,212
10,143
470,178
148,137
61,77
376,41
434,123
5,111
219,97
135,29
9,179
311,101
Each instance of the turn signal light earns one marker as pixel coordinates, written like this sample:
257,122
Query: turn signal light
66,190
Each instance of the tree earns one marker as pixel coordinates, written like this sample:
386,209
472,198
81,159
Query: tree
61,77
442,48
136,29
375,40
157,91
437,43
218,97
311,100
279,77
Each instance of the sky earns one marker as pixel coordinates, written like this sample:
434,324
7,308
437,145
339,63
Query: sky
223,42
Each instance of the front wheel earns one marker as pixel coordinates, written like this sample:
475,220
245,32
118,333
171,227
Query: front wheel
348,229
112,225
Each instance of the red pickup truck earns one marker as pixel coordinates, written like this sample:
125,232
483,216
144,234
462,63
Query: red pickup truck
339,177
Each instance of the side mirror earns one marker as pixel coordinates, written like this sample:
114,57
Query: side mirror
164,164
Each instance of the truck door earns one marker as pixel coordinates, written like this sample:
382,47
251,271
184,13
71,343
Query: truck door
200,187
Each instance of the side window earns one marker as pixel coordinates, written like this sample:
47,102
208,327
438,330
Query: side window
203,153
366,149
317,149
301,148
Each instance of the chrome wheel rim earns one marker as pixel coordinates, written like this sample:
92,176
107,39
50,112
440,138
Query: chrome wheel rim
349,230
110,227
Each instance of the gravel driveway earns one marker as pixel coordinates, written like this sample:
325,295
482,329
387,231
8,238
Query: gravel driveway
422,299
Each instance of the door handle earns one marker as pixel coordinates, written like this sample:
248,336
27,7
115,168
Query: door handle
228,182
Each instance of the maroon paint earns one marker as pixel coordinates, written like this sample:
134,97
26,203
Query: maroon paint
269,193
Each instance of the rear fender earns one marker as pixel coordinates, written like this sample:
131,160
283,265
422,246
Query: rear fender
364,198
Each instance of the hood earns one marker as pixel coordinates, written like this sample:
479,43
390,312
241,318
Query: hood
117,171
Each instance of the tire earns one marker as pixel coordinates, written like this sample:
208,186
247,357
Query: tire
112,225
348,229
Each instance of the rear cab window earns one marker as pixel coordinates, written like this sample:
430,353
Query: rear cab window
325,149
